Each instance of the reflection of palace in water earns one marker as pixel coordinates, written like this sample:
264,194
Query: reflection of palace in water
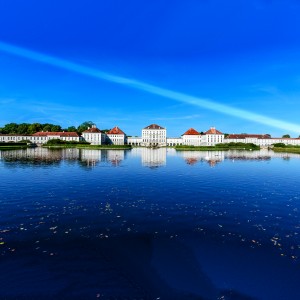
44,155
214,157
211,157
151,158
93,157
263,154
40,154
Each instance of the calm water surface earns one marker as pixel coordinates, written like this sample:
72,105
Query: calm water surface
149,224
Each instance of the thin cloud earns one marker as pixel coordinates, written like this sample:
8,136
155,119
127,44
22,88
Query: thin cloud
6,101
152,89
177,118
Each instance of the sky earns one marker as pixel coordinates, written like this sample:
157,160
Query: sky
234,65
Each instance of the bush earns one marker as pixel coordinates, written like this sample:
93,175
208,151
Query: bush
12,144
26,141
280,145
61,142
238,145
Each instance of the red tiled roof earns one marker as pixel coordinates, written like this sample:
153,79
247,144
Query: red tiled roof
191,131
92,130
243,136
285,138
213,130
60,134
115,130
154,126
14,134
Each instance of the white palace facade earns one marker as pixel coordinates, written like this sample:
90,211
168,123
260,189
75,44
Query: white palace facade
152,136
40,137
156,136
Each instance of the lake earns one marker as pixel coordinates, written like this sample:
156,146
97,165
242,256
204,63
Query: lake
149,224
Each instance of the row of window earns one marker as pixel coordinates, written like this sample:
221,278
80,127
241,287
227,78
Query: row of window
154,141
116,136
34,138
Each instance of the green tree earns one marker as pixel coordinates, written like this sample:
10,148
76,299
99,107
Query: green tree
286,136
55,128
23,128
55,142
84,126
47,127
72,129
281,145
35,127
11,128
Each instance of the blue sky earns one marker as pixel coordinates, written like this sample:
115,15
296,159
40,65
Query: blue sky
244,57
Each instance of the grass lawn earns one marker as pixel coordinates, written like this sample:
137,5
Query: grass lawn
287,149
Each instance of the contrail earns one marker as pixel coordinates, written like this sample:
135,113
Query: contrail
152,89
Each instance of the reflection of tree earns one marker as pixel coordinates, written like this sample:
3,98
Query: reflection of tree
39,156
29,162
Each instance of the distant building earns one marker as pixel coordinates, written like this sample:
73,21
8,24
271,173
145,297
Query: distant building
14,138
212,137
154,135
263,140
43,137
94,136
116,136
134,141
192,138
246,138
174,141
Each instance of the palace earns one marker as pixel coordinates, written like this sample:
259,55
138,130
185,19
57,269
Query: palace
152,136
155,135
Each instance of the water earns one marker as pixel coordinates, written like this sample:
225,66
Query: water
149,224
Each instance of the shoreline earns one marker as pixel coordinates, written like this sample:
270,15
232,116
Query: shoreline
14,147
92,147
287,149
